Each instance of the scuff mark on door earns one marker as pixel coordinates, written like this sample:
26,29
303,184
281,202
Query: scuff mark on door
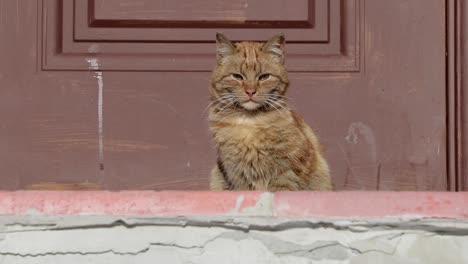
367,133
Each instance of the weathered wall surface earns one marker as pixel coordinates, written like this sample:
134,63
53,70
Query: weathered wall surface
111,239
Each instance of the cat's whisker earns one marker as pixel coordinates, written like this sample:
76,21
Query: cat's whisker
278,103
283,104
210,106
282,97
217,106
218,100
223,103
223,111
270,103
291,102
226,106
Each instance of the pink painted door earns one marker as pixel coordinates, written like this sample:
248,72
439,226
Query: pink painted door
111,94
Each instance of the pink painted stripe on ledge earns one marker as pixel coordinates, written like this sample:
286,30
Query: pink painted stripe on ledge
287,204
373,204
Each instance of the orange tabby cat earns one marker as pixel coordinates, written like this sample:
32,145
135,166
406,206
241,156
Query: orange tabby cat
261,143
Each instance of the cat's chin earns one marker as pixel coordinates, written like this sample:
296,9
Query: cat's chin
250,105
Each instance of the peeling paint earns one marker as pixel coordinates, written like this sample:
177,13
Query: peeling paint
263,207
100,118
94,65
238,205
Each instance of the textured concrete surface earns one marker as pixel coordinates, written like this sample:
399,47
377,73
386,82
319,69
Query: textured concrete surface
36,239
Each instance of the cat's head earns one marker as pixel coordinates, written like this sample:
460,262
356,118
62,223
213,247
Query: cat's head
250,75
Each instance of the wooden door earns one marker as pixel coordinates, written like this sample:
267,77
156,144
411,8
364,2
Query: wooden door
111,94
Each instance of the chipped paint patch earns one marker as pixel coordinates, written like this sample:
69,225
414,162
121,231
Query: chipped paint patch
93,63
263,207
238,205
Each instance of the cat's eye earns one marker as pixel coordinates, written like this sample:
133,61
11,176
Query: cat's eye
264,77
237,76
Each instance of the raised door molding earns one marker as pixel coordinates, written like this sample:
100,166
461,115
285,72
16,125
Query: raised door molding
151,35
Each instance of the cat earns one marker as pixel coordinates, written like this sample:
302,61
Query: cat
261,143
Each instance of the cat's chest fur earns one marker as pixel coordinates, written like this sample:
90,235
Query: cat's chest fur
253,150
247,134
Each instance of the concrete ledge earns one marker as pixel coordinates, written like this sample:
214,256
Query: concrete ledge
233,227
192,203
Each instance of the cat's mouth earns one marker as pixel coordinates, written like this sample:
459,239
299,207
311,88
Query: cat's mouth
250,104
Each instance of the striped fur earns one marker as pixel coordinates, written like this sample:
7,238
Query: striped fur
261,143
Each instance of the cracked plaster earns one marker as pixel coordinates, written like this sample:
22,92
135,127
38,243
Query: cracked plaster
113,239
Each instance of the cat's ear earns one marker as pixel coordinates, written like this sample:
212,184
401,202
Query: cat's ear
275,47
224,48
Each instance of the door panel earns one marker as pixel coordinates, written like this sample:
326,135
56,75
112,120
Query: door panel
320,42
112,94
233,13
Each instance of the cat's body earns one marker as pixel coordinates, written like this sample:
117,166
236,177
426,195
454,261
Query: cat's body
261,143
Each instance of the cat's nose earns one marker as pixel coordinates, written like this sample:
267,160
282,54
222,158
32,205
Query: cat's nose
250,92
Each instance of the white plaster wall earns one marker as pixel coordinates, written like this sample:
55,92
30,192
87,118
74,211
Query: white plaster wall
104,240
